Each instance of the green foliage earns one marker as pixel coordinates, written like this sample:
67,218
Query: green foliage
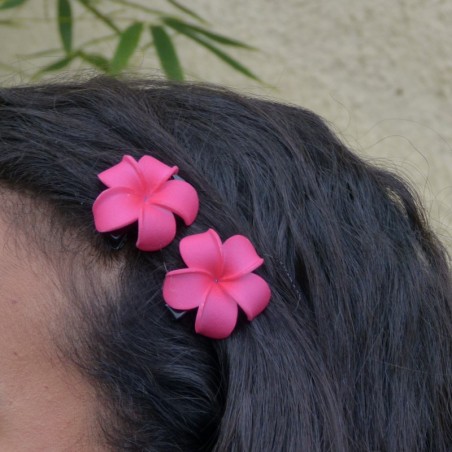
65,24
96,60
128,42
166,53
200,36
56,66
185,28
165,28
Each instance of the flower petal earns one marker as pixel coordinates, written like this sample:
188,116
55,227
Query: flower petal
115,208
251,292
156,228
240,257
217,316
186,289
125,174
203,252
155,172
179,197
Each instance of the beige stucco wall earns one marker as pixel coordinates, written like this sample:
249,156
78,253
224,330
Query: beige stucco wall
380,71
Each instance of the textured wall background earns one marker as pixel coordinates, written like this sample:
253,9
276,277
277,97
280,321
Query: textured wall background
379,71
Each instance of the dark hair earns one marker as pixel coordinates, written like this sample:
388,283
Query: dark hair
354,351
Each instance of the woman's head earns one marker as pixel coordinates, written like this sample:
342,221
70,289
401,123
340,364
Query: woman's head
354,349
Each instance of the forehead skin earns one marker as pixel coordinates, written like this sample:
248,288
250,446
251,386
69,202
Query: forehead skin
44,404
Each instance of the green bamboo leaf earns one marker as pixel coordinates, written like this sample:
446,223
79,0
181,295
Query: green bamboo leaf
56,66
228,60
219,53
184,9
184,26
6,4
128,42
96,60
166,53
65,24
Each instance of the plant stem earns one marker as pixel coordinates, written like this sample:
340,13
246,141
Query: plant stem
106,20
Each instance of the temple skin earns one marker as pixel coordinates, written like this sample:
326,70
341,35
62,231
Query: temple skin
45,405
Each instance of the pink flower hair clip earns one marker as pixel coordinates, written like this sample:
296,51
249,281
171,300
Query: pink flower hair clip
219,276
218,279
144,191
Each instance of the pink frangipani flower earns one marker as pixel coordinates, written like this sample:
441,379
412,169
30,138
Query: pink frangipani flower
218,280
144,191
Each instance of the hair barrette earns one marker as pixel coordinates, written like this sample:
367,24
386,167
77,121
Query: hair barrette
218,279
144,191
219,276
